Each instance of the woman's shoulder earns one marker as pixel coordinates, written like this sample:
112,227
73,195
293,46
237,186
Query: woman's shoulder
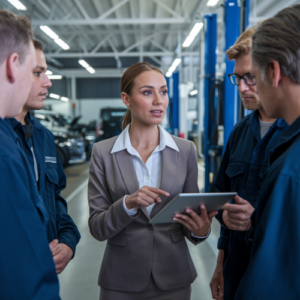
182,144
105,146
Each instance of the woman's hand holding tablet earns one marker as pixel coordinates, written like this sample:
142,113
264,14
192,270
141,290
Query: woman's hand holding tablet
197,224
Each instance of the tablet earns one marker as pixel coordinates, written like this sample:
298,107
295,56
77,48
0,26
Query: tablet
212,201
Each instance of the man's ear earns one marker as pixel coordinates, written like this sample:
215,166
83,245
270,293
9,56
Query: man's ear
125,99
12,67
274,73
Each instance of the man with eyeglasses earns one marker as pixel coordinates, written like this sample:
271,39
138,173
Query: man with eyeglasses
242,170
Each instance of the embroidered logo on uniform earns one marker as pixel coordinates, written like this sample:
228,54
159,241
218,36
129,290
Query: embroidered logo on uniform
50,159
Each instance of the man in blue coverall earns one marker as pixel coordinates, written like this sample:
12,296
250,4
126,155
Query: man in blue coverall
273,271
38,145
242,170
27,270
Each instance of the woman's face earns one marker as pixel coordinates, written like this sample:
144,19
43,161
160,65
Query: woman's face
148,99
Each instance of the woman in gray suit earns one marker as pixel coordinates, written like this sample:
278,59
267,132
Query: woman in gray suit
132,177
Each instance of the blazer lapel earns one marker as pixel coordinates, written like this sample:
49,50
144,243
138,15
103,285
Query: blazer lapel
169,163
128,173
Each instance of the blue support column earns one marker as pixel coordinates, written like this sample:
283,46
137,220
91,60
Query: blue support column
210,73
175,104
231,96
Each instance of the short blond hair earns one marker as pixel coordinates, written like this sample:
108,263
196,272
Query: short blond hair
243,45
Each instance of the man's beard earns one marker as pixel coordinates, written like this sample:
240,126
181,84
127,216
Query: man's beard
254,104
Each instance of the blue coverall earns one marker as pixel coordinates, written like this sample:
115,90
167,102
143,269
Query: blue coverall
273,271
52,181
27,270
242,170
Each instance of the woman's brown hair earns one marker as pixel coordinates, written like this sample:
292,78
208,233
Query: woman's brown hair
127,82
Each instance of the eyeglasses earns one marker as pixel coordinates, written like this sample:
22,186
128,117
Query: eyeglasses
248,79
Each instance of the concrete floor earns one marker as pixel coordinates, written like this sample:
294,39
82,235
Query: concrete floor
79,280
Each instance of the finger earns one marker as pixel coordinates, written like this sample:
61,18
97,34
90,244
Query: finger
203,213
239,217
221,289
188,220
145,198
55,251
235,208
185,224
157,200
212,214
193,215
53,244
240,200
150,194
158,191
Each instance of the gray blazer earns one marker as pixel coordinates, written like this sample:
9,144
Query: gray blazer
135,248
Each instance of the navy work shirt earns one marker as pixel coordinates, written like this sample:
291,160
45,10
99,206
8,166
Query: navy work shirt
242,170
52,181
27,270
273,271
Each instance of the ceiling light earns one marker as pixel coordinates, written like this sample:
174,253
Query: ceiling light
84,63
86,66
54,96
194,32
62,44
64,99
48,72
17,4
55,37
91,70
49,32
173,67
54,77
212,3
194,92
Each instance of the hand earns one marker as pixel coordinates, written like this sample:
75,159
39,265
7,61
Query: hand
198,225
237,216
144,197
217,281
62,254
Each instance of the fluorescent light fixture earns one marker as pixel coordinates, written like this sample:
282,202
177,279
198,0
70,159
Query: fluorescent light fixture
49,32
84,63
173,67
48,72
86,66
54,77
64,99
55,37
91,70
212,3
194,92
17,4
54,96
62,44
194,32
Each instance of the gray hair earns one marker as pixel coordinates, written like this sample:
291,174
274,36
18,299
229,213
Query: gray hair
278,39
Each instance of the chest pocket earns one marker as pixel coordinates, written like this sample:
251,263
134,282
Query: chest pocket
236,172
51,183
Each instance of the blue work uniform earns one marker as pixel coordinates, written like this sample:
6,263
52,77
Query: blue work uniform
273,271
242,170
51,180
27,270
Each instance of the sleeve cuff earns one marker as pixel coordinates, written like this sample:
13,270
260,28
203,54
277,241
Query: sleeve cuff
201,237
130,212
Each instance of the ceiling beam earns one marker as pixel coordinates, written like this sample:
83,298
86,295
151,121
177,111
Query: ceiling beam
101,43
81,9
113,9
112,54
139,42
167,8
122,21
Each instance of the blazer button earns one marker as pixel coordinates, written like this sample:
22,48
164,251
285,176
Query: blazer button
149,226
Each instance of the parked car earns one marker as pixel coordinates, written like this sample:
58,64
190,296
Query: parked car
110,123
70,123
70,145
